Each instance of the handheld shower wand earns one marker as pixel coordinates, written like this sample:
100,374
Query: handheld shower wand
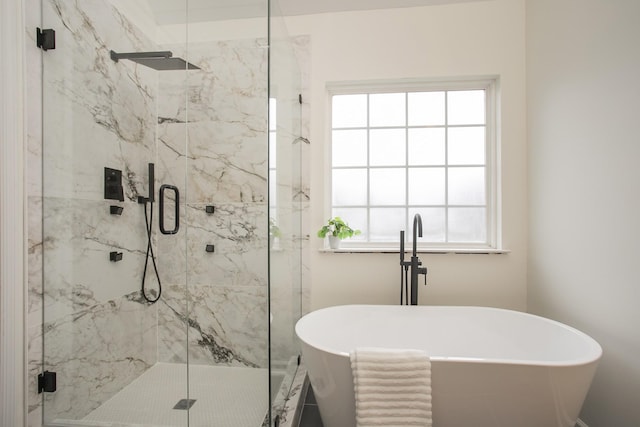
148,220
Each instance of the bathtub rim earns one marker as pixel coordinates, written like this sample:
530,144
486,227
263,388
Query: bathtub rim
593,356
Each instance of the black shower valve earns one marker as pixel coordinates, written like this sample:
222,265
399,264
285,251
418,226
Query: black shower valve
115,256
210,209
209,248
113,184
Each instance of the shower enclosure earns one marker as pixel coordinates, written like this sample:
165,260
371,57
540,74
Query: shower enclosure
173,201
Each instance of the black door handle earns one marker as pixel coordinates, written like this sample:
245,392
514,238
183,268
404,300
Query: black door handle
173,188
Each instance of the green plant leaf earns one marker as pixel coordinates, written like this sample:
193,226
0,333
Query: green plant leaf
337,227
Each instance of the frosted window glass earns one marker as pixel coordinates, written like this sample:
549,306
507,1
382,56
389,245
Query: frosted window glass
387,109
466,107
466,146
426,186
349,148
467,225
356,218
349,111
386,224
433,224
467,186
349,187
273,143
388,147
398,153
272,114
426,146
388,186
426,108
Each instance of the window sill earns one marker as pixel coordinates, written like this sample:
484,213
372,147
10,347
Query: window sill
476,251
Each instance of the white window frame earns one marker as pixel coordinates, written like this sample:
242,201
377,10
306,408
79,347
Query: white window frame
492,173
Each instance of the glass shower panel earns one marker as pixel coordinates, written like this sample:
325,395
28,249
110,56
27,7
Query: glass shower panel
227,245
101,133
288,205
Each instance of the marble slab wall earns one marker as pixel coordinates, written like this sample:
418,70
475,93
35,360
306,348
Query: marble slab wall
220,315
220,309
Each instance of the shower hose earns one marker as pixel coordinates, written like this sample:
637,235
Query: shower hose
148,220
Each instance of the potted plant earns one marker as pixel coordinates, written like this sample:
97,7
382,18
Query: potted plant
337,230
274,231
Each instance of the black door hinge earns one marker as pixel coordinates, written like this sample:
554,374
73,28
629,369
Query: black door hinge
45,39
47,382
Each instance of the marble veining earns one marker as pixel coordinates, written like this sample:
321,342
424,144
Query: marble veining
212,142
104,111
95,351
220,326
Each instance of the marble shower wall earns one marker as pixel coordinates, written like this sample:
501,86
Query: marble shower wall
98,333
223,314
220,308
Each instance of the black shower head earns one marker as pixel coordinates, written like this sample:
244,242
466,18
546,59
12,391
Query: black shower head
161,61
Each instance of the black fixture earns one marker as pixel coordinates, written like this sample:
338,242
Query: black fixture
148,220
151,178
411,294
115,256
176,224
210,209
184,404
46,39
47,382
115,210
209,248
404,275
113,184
161,61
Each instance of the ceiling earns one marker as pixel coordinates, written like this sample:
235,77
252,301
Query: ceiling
173,11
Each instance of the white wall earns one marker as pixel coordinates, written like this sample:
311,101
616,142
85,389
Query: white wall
583,68
480,38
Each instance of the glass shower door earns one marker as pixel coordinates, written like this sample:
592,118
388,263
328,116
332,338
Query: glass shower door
226,203
100,136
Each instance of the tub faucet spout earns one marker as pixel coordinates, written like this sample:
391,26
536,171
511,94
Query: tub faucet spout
417,226
415,261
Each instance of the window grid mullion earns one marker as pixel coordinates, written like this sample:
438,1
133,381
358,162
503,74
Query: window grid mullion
446,166
488,166
368,170
406,161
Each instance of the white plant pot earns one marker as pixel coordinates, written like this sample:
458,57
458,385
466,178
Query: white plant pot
334,242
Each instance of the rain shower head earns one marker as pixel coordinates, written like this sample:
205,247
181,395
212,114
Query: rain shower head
161,61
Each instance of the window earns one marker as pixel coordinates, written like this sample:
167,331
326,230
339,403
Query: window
426,148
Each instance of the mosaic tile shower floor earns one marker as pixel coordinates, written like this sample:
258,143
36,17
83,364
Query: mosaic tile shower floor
224,396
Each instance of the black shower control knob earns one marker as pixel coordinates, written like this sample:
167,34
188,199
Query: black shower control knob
210,209
210,248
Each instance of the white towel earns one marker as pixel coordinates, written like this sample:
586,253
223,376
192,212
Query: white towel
392,387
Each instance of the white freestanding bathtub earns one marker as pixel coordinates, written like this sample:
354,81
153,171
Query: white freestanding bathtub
490,367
